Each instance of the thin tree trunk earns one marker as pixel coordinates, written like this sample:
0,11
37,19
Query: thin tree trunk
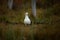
34,7
10,4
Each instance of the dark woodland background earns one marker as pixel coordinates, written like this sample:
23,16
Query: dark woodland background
45,27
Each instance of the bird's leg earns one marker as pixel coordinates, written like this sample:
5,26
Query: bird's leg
25,24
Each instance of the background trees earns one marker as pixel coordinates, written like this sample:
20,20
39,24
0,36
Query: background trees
10,4
33,4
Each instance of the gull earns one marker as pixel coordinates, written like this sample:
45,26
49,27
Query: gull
27,19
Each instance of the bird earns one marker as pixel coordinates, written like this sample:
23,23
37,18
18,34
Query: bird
27,20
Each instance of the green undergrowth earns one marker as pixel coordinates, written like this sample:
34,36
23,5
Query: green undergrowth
47,25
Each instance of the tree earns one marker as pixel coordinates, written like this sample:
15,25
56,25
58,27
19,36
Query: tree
10,4
34,7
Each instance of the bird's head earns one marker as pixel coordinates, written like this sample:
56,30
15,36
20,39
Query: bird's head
26,13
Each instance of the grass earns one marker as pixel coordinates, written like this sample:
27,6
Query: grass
44,31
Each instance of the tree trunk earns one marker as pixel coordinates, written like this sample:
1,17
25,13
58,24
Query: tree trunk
34,7
10,4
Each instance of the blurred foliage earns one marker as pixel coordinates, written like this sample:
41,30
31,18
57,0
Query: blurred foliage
33,32
54,10
48,29
46,3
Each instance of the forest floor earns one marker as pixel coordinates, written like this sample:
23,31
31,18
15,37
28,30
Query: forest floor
15,29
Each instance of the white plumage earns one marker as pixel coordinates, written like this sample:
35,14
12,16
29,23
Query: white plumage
27,19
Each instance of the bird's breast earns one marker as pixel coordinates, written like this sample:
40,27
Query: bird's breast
27,20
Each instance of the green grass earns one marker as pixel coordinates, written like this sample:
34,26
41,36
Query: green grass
49,30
